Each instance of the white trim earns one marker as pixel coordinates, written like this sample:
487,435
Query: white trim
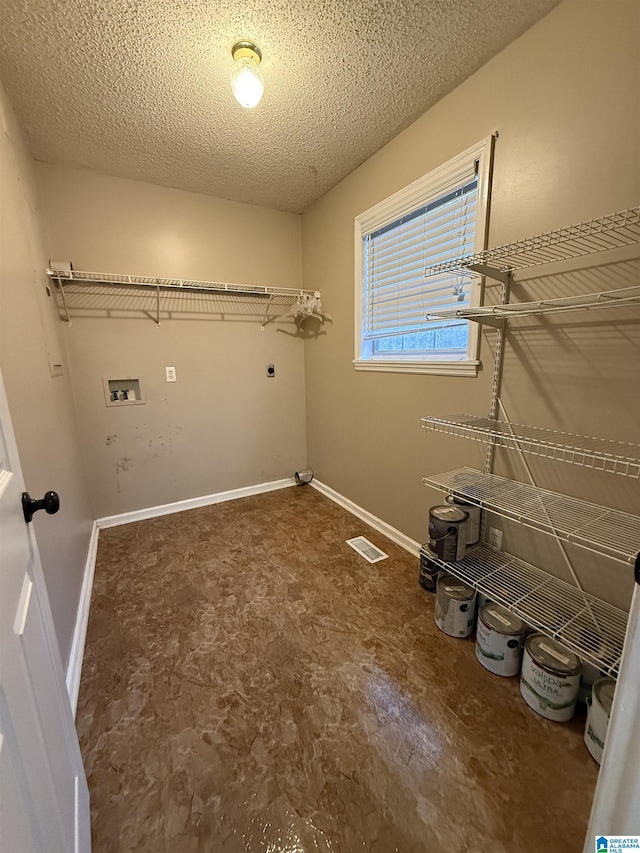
372,520
76,655
437,182
192,503
403,201
442,368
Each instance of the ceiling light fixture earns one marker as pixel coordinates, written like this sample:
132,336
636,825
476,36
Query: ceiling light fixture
246,79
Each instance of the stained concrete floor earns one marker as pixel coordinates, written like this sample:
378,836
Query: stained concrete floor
251,684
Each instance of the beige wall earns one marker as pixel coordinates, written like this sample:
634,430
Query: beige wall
563,98
223,424
41,405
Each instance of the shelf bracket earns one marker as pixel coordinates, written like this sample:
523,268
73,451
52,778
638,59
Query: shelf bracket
488,320
490,272
265,319
158,305
636,572
64,300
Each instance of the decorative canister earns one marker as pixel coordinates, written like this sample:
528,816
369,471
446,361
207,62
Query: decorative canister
473,522
550,678
598,713
428,570
447,532
455,606
499,640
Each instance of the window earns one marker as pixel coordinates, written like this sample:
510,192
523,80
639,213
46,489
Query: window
437,218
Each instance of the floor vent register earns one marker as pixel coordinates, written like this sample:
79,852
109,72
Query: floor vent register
367,549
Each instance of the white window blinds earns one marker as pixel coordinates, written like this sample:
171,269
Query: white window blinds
397,295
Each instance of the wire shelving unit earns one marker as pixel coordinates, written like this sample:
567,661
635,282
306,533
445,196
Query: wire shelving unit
275,301
591,628
585,238
599,529
600,454
494,314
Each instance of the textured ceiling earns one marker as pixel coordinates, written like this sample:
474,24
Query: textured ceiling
140,88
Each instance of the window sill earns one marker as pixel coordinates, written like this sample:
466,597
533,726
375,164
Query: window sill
439,368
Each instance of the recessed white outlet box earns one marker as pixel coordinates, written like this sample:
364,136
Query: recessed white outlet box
122,392
495,537
171,374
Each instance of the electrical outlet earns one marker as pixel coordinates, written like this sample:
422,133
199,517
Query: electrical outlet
171,374
495,537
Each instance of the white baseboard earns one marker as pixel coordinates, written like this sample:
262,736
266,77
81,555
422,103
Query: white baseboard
192,503
74,667
372,520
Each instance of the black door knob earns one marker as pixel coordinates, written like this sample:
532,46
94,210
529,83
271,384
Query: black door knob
50,503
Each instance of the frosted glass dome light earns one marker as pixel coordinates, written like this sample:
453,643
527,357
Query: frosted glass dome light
246,79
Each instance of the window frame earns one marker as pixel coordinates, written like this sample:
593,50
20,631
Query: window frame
401,203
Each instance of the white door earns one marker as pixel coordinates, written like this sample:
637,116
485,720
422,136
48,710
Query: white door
616,804
44,800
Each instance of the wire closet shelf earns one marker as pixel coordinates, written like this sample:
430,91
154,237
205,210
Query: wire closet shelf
277,299
599,529
65,277
601,454
585,238
492,314
591,628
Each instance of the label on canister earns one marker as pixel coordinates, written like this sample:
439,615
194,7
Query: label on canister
598,713
447,529
455,606
428,571
550,678
499,640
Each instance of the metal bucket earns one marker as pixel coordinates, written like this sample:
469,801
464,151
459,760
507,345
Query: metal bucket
473,522
598,713
455,606
447,532
481,600
499,640
550,678
589,674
